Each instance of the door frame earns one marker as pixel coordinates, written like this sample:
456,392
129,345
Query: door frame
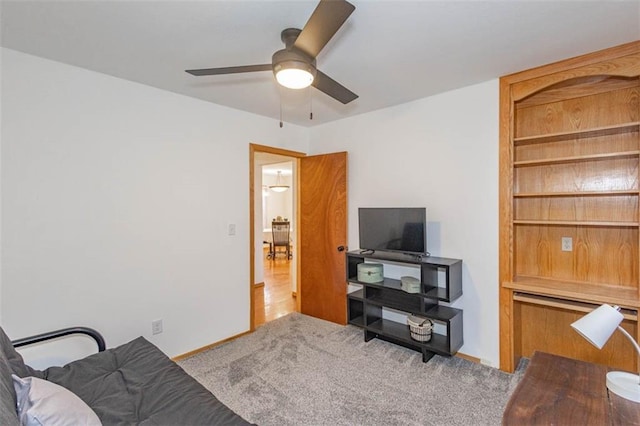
295,155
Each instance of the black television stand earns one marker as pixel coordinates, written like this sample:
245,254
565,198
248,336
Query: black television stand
365,306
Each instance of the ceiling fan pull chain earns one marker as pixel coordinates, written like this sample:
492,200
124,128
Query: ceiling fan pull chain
310,104
280,97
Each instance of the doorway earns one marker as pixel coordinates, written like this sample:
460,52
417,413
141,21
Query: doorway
319,188
274,268
276,296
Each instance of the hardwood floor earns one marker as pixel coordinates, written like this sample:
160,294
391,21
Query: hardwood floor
275,298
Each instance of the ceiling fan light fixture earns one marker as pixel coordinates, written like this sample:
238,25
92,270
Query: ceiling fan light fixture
294,66
294,74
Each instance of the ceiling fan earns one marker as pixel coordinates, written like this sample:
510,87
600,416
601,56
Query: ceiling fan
295,65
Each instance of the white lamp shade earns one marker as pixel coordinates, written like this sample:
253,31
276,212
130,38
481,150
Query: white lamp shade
598,325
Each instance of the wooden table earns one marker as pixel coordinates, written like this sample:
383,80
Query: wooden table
563,391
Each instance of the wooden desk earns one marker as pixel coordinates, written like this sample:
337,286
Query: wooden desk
563,391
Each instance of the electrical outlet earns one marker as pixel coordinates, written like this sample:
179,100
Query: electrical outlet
567,244
156,326
232,229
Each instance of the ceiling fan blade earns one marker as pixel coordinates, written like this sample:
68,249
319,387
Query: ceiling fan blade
326,84
231,70
324,22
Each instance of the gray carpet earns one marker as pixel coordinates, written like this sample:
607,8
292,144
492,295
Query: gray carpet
298,370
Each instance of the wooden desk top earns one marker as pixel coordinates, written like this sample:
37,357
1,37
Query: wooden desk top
563,391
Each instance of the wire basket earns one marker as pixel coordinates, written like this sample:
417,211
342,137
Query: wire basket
420,328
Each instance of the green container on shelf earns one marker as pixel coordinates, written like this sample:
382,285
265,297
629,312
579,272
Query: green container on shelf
370,272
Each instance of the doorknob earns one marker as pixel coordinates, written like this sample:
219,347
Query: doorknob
341,248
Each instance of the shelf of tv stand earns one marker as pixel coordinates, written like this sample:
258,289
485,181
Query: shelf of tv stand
432,292
357,321
429,265
400,332
355,299
435,312
358,295
404,258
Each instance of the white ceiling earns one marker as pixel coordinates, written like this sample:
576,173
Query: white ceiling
285,168
388,52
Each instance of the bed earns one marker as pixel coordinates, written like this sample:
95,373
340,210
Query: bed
134,383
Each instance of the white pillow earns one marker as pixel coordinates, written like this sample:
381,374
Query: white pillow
45,403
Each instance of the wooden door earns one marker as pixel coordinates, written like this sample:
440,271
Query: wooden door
323,236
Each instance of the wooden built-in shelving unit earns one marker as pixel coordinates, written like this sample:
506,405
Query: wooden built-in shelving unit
569,169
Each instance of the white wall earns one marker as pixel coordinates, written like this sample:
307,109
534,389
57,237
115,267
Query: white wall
278,203
112,215
1,97
442,153
109,195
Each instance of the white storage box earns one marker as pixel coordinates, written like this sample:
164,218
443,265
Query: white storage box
370,272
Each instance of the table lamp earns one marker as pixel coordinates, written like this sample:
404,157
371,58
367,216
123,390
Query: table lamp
597,327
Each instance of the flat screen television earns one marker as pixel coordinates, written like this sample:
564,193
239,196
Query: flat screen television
396,229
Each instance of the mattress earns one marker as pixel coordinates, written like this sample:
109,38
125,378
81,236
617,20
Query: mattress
136,383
